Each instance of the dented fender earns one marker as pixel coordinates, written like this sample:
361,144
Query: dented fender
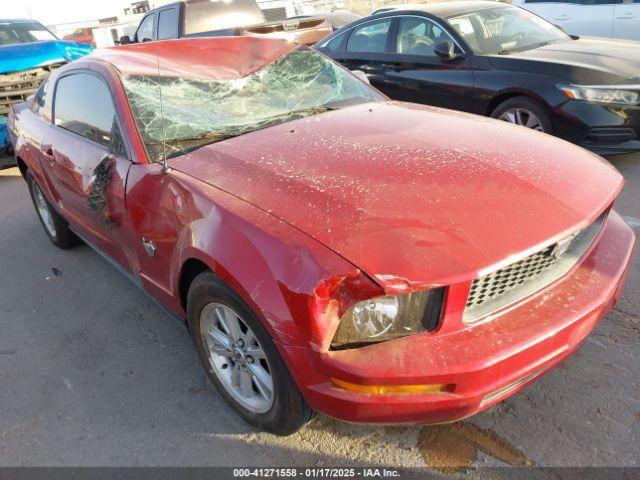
272,266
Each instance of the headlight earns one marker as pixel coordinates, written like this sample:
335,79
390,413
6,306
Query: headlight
604,94
385,318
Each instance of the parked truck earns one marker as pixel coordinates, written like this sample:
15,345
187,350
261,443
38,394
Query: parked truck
29,52
204,18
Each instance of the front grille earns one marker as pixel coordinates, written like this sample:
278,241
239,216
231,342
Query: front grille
508,285
275,14
16,87
498,283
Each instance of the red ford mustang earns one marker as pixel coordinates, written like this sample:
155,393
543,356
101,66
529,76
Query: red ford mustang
328,249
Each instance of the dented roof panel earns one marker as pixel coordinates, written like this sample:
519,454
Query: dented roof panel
211,58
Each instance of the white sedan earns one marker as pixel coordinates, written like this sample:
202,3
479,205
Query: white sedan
594,18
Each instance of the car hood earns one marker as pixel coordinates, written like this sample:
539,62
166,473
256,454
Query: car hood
586,59
15,58
413,195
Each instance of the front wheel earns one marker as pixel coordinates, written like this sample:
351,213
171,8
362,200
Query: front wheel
241,359
525,112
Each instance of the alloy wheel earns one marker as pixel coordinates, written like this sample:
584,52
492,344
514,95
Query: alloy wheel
43,210
236,357
522,116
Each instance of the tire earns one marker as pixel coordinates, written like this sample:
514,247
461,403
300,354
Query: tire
211,306
56,227
528,110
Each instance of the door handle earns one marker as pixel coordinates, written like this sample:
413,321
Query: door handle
627,16
562,17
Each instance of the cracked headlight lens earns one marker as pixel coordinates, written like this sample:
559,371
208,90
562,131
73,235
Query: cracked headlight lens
385,318
601,94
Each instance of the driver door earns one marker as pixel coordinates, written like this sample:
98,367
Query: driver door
591,18
86,161
146,29
418,75
626,24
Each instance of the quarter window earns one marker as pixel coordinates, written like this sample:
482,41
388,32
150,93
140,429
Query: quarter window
417,36
83,105
145,30
370,37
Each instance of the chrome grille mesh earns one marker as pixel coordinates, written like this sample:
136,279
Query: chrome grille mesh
497,289
499,282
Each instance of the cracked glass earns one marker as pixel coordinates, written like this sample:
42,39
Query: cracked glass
176,114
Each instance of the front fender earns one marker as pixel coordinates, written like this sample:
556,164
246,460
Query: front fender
272,266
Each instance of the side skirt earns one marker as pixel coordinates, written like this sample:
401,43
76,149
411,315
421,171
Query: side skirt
182,322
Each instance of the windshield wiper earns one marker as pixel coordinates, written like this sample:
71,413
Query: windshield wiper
528,47
304,112
544,44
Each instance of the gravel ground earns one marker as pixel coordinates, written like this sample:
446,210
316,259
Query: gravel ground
92,373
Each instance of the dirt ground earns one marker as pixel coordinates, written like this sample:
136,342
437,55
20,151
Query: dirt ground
93,373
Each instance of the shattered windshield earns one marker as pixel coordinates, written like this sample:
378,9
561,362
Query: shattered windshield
180,114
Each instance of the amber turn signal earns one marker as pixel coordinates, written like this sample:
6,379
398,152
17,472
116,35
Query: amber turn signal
392,389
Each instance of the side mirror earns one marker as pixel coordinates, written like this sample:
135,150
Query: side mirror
446,50
125,40
361,75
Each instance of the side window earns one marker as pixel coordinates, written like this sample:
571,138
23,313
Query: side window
370,37
145,30
577,2
417,36
168,24
335,44
83,105
38,101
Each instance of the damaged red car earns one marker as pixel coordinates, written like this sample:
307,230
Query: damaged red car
329,250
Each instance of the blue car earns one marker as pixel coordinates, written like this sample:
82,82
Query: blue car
28,54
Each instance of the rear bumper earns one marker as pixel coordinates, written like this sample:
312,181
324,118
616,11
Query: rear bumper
485,363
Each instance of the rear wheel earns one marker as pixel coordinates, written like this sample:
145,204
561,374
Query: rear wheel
56,227
241,359
525,112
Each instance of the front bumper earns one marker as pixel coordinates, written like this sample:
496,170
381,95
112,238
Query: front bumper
485,363
603,129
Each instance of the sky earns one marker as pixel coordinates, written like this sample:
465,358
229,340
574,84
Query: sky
52,12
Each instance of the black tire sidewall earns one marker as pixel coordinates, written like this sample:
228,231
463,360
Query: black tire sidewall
289,410
527,104
64,237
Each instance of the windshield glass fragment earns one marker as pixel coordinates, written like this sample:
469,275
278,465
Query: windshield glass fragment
180,114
